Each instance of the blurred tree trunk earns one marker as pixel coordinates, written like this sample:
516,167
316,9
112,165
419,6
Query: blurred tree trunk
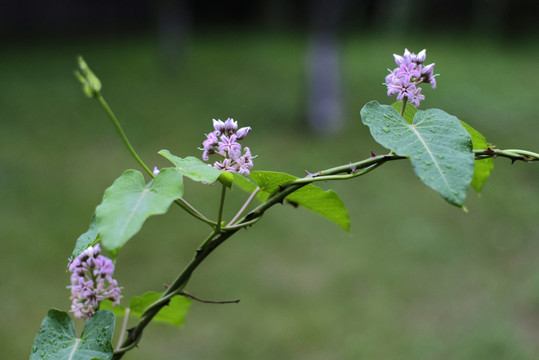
324,111
324,84
397,15
174,29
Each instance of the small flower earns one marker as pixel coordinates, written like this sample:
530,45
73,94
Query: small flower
228,145
409,72
414,96
404,80
211,140
245,162
155,171
92,282
224,141
226,165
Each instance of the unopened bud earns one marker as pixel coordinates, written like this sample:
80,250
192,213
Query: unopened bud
219,126
226,178
231,126
90,83
242,132
420,58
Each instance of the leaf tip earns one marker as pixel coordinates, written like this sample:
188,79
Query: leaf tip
163,152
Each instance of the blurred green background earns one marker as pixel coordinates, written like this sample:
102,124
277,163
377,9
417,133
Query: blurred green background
415,278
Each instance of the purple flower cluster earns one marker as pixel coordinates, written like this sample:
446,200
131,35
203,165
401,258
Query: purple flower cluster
224,141
92,282
410,72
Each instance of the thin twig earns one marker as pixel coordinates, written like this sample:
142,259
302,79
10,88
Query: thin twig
123,330
207,301
251,197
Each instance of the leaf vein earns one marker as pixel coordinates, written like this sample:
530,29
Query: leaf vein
432,157
133,211
77,342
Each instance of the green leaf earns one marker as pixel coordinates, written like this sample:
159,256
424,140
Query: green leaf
244,183
325,203
483,167
409,111
129,202
57,340
117,310
439,147
193,168
174,313
89,238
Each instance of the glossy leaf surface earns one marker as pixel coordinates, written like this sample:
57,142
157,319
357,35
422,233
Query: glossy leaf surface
438,146
57,340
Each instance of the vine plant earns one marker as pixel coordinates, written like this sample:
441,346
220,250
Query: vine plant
447,155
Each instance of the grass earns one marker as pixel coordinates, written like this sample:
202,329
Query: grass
414,279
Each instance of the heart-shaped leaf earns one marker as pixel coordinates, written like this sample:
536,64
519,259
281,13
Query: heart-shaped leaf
325,203
57,340
129,202
439,147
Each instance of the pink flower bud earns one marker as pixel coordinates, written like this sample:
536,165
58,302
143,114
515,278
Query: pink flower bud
420,58
230,126
242,132
399,60
219,126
